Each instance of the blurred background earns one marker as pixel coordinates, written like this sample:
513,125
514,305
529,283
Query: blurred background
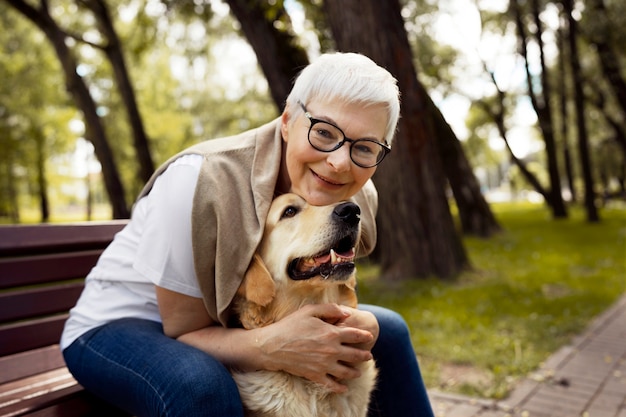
505,186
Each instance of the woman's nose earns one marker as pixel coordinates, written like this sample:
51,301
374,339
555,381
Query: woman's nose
340,158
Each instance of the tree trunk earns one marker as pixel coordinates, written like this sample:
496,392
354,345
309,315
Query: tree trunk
476,216
113,50
546,122
14,207
42,183
541,104
562,93
80,93
583,142
609,60
417,237
496,113
598,99
277,52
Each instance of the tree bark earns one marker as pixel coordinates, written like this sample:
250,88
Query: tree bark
541,104
277,52
42,183
583,142
113,51
562,93
80,93
609,60
416,232
476,216
497,115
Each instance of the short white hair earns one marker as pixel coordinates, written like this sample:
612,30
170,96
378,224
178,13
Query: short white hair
350,77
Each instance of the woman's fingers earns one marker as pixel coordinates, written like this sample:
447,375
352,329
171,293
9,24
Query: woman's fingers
308,344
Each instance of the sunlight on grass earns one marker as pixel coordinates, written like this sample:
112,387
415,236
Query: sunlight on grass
65,214
532,288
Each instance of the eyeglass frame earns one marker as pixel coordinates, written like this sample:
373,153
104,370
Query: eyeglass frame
386,148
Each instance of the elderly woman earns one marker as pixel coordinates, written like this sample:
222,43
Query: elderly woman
153,331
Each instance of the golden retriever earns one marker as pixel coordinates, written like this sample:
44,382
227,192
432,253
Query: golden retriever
306,256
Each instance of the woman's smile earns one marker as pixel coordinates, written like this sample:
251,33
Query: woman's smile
320,177
326,181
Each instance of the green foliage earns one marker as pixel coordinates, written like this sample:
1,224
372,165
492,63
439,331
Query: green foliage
34,112
532,288
171,53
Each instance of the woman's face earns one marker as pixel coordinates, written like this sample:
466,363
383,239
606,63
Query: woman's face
324,178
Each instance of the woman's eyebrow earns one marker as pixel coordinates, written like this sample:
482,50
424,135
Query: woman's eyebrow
330,120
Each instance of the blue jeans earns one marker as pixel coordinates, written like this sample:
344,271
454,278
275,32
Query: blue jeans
133,365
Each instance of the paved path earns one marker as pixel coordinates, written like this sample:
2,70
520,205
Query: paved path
584,379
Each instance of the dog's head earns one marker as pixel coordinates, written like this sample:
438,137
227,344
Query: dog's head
306,256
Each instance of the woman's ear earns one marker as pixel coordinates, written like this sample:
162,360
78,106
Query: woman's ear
284,125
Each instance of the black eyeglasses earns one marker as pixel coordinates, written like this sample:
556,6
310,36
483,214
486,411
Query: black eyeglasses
326,137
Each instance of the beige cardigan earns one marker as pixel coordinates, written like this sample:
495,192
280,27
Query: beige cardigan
232,198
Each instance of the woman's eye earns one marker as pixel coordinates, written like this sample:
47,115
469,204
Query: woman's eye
324,133
289,212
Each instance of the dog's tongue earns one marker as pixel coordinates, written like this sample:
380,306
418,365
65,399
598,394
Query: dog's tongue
324,265
322,259
329,258
333,257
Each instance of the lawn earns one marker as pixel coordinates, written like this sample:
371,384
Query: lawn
532,288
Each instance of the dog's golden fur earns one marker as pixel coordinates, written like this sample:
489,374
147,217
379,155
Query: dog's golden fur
295,230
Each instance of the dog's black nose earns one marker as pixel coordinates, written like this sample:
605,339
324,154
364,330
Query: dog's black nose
348,213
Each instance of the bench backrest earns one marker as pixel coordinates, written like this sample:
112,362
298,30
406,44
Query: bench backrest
42,268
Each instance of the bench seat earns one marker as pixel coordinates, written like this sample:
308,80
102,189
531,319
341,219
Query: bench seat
42,270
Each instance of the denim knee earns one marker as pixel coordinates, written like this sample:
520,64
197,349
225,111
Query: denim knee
133,365
201,385
394,331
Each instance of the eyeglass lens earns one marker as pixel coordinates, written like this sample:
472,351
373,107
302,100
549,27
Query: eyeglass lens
326,137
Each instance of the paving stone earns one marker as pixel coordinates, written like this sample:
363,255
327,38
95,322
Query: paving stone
519,394
600,412
546,403
585,379
569,402
608,401
616,383
465,410
494,413
555,360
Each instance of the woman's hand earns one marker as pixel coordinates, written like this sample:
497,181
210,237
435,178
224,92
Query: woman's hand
322,343
361,320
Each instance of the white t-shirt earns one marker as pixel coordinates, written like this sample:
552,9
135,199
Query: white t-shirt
153,249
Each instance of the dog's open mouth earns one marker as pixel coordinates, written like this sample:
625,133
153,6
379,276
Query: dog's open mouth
338,262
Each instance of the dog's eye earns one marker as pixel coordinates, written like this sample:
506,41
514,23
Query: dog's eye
289,212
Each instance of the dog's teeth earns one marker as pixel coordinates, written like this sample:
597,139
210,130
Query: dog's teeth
333,257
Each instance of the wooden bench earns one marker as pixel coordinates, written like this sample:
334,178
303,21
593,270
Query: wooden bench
42,268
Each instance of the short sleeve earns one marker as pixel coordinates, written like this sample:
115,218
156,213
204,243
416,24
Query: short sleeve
164,252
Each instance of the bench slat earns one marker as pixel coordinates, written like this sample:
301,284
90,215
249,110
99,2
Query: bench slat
50,238
27,270
54,393
25,364
42,271
78,404
39,301
41,383
23,336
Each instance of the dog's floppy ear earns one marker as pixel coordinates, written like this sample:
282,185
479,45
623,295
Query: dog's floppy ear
347,293
257,286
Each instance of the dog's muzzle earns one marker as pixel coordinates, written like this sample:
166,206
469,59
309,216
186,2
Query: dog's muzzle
337,261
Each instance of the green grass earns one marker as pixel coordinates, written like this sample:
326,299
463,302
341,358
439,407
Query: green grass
532,288
61,214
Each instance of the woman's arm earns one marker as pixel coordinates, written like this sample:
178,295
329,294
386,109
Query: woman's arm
317,342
